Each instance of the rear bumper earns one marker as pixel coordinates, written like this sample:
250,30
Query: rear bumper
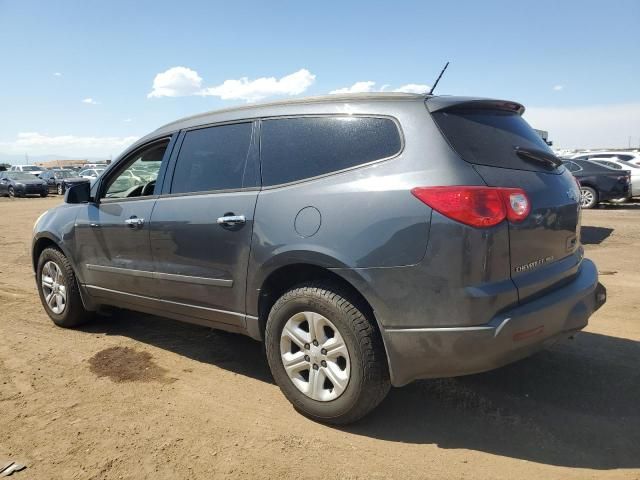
416,353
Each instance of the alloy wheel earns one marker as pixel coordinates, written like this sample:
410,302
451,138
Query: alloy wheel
53,287
315,356
586,197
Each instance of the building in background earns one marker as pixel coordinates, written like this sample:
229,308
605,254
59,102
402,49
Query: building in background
545,136
69,163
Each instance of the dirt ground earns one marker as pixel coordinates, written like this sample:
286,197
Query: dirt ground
136,396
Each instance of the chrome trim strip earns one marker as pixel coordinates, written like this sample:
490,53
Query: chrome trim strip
216,282
476,328
160,300
439,329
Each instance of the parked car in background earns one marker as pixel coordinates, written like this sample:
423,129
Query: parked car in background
60,180
598,183
370,240
20,184
616,164
31,169
91,173
630,156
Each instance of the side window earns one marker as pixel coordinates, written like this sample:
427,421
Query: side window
212,158
304,147
572,167
137,177
611,165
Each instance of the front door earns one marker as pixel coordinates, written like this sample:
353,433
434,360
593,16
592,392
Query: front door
112,234
201,226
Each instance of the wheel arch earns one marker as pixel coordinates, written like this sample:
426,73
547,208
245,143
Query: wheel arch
47,240
40,244
288,276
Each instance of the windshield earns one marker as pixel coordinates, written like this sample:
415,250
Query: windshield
20,176
63,174
31,169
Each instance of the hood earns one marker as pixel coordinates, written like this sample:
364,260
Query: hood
35,181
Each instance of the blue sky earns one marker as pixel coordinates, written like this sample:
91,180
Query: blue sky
573,64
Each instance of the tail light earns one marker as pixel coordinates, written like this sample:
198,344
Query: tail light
476,206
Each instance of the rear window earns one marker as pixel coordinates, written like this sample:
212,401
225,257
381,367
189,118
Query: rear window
304,147
489,137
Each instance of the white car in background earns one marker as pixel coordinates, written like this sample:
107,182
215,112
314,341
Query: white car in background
30,169
91,173
625,157
616,164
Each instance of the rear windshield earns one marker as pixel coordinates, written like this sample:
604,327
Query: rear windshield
489,137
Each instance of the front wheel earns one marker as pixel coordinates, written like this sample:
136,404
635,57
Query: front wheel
325,354
588,197
58,289
60,189
12,192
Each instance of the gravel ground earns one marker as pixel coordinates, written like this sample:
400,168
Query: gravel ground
136,396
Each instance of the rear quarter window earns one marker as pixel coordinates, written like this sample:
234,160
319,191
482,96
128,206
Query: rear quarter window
298,148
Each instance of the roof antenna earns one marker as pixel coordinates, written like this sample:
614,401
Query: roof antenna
438,79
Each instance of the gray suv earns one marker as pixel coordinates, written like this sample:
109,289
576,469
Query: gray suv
368,240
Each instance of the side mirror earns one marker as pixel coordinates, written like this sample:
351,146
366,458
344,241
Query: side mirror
79,193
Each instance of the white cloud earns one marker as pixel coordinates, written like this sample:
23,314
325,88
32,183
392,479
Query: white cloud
594,126
557,88
176,82
358,87
90,101
252,90
413,88
369,86
35,143
182,81
57,74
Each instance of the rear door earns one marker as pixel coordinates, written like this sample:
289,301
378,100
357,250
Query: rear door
544,249
201,226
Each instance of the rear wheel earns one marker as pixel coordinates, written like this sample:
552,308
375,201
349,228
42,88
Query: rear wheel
588,197
60,189
58,289
326,355
44,194
12,192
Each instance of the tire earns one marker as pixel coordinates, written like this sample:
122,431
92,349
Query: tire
45,194
588,197
365,365
12,192
60,189
73,313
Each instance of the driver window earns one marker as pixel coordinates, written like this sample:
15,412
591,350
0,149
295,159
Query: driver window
138,176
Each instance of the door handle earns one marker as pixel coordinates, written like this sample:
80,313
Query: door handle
230,220
134,222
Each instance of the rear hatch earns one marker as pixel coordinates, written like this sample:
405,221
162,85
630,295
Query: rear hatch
545,249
